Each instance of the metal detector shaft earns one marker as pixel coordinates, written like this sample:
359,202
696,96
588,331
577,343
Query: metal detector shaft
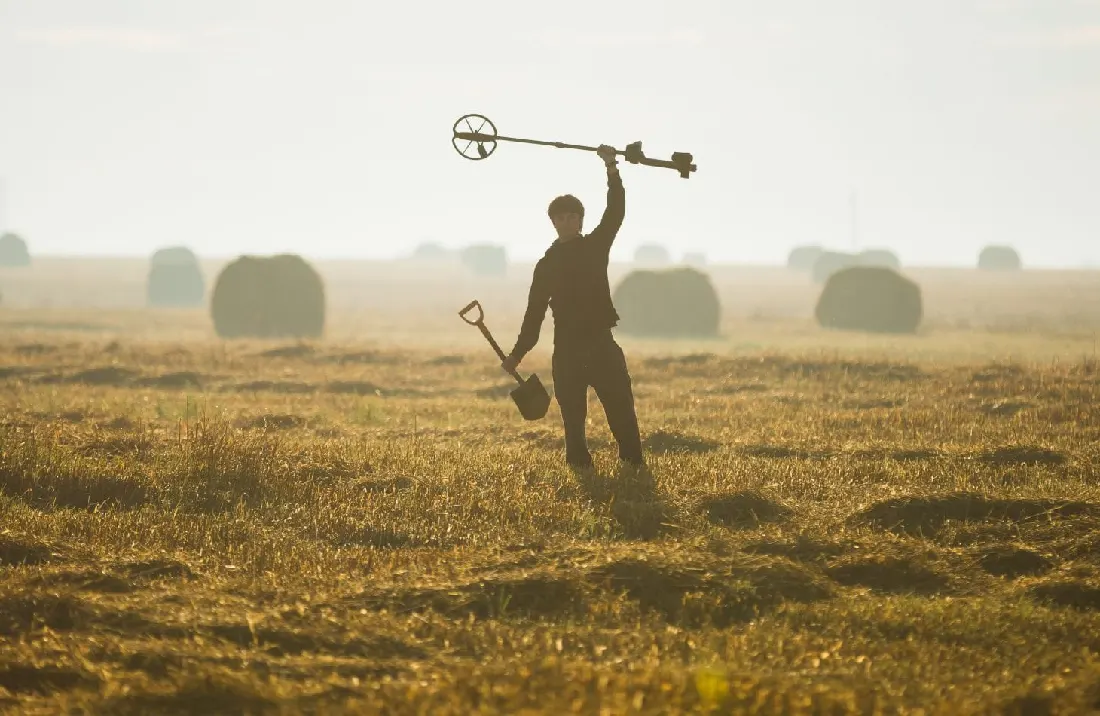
632,154
479,137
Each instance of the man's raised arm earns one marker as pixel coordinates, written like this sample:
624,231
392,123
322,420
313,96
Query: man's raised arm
608,228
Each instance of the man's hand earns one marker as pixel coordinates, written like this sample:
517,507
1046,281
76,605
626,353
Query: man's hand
510,364
607,153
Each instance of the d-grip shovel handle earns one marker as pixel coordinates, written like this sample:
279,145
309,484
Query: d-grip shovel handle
480,323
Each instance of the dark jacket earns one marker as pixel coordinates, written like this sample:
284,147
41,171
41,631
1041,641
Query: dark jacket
571,278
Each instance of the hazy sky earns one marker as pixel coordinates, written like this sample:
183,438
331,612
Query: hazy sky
324,127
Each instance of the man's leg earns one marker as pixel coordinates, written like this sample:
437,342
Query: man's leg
571,392
611,379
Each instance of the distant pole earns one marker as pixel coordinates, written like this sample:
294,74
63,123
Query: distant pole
853,210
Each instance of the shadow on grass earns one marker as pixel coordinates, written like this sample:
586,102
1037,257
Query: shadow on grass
927,515
633,500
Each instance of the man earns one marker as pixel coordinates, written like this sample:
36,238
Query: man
571,278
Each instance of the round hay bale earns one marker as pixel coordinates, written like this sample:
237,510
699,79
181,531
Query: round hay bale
802,258
671,303
13,251
652,255
430,252
695,258
873,299
486,259
883,258
278,296
174,255
829,262
175,279
999,258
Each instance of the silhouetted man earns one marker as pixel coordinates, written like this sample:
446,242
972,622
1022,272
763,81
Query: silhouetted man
571,278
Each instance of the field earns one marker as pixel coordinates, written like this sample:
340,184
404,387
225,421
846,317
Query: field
831,523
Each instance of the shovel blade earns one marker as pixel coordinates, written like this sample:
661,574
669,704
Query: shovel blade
531,398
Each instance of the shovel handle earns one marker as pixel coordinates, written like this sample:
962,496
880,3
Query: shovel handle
469,307
480,323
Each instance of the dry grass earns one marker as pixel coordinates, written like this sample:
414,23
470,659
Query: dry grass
350,527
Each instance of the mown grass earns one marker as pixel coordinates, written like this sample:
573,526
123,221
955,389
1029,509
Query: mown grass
334,528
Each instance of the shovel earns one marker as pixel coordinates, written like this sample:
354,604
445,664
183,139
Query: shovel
530,397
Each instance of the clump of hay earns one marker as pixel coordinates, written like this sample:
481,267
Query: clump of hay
870,298
802,258
175,279
430,252
669,303
880,257
829,262
999,258
278,296
695,258
13,251
652,255
485,259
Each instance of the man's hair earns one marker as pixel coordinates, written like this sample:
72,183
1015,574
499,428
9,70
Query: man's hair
565,204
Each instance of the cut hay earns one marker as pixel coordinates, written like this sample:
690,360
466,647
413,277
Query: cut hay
829,262
802,258
999,258
652,255
175,279
871,299
670,303
485,259
882,258
13,251
278,296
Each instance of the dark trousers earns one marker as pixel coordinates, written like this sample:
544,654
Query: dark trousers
599,363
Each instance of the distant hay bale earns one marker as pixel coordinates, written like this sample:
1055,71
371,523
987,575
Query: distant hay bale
485,259
175,279
670,303
171,255
430,252
882,258
652,255
13,251
870,298
999,258
802,258
695,258
278,296
829,262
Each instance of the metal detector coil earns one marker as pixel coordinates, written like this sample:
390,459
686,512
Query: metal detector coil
485,137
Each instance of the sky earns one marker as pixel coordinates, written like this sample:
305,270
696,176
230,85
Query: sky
930,127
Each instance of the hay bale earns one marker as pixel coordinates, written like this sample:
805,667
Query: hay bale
430,252
671,303
173,255
13,251
485,259
802,258
652,255
175,279
695,258
869,298
999,258
829,262
278,296
883,258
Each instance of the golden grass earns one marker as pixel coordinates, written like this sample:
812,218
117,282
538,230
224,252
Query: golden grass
830,524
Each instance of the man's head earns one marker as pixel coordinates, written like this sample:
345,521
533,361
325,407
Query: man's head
567,214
